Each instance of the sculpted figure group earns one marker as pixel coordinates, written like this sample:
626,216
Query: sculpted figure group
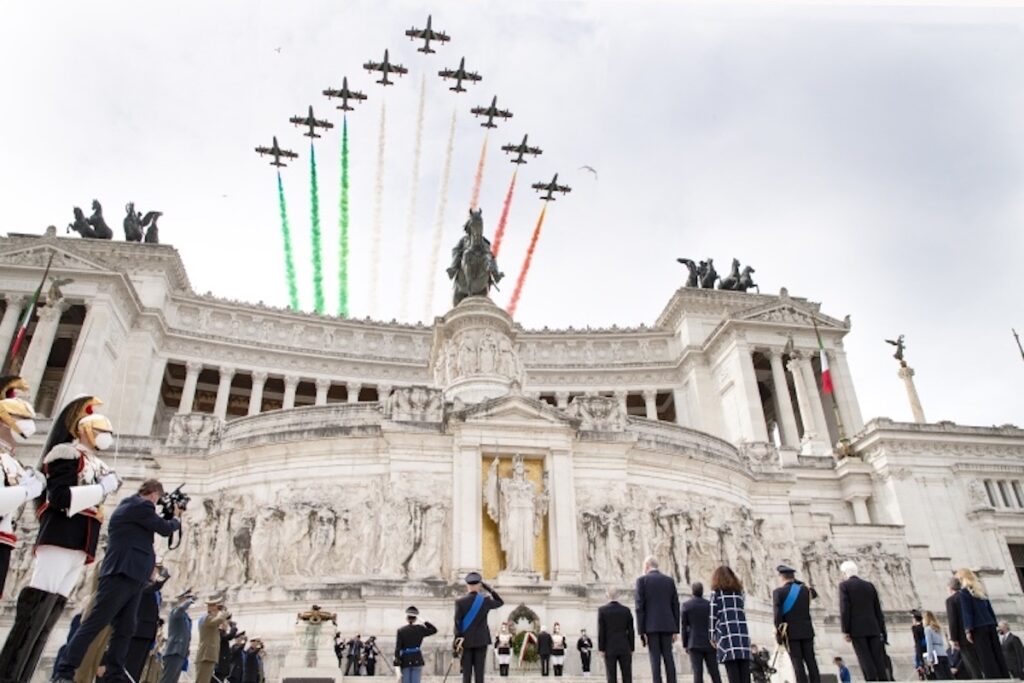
137,228
704,276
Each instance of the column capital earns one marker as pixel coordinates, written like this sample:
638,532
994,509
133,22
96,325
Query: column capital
16,299
193,367
226,372
650,394
323,384
383,391
354,386
51,314
291,381
620,394
259,376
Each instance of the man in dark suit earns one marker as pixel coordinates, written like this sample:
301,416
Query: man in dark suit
695,626
545,645
615,639
355,654
125,572
472,636
957,635
146,621
1013,650
657,618
791,603
863,622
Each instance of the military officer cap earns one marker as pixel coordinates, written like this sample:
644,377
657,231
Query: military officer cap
215,600
473,578
412,612
785,570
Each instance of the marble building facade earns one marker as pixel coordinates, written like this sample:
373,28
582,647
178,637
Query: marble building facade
360,464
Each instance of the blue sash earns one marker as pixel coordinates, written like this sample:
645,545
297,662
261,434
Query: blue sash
409,650
794,592
474,610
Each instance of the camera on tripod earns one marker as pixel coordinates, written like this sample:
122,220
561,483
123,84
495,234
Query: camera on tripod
175,499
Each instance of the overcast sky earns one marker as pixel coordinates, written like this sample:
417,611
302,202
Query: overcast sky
864,156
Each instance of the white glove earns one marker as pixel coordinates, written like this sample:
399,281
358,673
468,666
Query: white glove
110,483
33,484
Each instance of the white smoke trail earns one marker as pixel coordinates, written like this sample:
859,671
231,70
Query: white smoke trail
442,204
410,218
378,214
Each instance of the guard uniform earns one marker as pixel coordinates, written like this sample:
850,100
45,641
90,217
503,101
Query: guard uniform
558,651
17,484
471,632
503,650
585,645
792,609
70,516
408,646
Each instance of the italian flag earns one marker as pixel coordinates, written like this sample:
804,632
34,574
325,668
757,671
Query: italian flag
26,318
826,373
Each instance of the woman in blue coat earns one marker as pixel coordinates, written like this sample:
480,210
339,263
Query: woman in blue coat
980,625
729,634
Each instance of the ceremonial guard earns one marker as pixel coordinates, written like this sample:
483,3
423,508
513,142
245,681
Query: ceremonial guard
558,649
408,646
472,637
70,517
19,484
791,603
585,646
370,656
503,648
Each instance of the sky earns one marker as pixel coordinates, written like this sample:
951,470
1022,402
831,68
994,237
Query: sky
866,156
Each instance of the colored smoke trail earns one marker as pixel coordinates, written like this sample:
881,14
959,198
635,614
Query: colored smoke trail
378,212
343,225
526,263
314,216
478,179
286,235
442,205
410,218
500,232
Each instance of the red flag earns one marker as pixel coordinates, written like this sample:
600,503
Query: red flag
19,337
826,373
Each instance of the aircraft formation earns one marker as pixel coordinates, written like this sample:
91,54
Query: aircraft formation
387,68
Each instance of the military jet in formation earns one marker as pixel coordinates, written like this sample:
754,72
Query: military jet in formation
460,74
427,35
278,153
386,67
551,188
491,112
521,149
312,122
345,94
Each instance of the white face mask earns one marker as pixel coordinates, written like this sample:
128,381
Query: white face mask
25,429
104,440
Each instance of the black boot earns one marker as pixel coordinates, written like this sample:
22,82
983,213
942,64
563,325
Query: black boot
30,615
503,669
56,603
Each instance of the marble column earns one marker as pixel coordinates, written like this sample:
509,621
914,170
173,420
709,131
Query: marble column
853,420
39,348
906,373
291,382
467,507
562,399
783,403
802,400
620,398
565,556
259,380
650,403
220,408
353,389
9,324
188,392
814,398
679,400
758,430
323,385
383,392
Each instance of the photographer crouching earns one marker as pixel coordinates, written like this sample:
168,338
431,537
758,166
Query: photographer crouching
124,574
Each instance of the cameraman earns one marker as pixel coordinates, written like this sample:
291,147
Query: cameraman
126,569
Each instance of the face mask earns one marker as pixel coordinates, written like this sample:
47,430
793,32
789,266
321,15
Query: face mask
25,429
104,440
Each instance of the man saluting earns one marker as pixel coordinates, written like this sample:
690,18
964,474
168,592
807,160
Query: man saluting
472,637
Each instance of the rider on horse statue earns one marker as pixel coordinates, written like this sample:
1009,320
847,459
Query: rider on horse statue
473,269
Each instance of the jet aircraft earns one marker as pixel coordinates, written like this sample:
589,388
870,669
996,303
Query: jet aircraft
312,122
386,67
460,74
491,112
345,94
521,149
427,35
551,188
278,153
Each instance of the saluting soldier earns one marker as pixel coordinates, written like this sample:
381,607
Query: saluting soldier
408,646
70,517
793,626
17,484
472,636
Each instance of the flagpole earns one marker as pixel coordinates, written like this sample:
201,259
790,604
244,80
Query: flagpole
19,336
1017,337
844,443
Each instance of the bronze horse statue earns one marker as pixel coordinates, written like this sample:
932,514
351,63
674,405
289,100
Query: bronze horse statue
739,281
135,224
473,269
93,227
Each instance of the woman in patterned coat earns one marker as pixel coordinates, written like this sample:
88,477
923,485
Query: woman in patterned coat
729,634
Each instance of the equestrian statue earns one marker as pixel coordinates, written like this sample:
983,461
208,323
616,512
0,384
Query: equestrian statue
473,269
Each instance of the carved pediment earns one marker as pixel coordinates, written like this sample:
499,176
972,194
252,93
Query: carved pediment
37,256
514,409
789,314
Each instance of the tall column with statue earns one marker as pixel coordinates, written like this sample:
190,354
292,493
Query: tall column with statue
906,373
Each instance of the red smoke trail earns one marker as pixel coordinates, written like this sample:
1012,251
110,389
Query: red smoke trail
526,263
479,179
500,232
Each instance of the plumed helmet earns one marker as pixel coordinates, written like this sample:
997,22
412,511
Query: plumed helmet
72,421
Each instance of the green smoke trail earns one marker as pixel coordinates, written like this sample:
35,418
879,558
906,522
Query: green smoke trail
343,225
314,208
286,235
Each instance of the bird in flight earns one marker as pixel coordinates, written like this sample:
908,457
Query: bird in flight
591,169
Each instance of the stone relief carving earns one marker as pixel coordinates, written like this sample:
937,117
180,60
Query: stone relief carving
415,404
194,431
977,495
888,570
477,352
598,413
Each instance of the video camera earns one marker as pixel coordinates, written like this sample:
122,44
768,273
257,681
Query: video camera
169,503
